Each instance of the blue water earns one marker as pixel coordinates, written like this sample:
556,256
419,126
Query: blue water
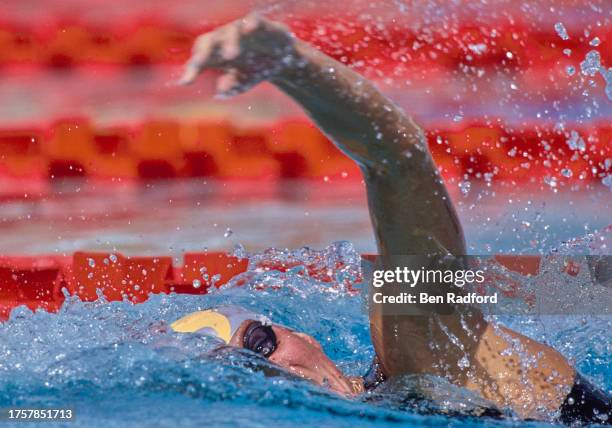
117,365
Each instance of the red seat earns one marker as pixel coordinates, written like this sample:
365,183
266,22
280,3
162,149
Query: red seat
20,152
146,43
215,148
18,45
303,151
157,149
113,158
70,148
66,45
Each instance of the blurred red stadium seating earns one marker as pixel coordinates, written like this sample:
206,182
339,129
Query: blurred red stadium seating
166,149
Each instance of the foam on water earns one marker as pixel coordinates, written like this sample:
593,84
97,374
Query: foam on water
118,364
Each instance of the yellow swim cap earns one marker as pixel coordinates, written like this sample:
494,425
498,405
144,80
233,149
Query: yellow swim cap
222,322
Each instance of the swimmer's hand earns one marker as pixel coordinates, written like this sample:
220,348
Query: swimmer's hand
248,51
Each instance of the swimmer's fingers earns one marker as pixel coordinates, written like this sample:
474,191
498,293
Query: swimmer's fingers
230,42
189,74
233,82
217,48
251,45
202,50
254,23
209,51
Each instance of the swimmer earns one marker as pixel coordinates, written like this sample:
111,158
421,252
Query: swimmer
412,215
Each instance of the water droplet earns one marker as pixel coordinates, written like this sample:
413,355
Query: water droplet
595,42
591,64
607,75
561,31
228,232
478,48
551,181
457,118
465,186
113,258
575,142
137,287
196,283
464,362
607,181
566,172
570,70
91,262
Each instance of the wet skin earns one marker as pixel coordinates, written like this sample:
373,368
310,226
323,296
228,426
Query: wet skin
302,355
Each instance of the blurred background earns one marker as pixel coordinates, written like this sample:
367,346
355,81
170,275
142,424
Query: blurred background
117,185
100,150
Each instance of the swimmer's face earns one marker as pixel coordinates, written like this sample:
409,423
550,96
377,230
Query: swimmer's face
302,355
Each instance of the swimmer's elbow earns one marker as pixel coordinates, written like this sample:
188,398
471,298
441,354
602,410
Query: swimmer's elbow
380,146
400,160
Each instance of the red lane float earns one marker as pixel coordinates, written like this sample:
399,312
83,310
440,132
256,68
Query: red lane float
33,282
390,47
37,282
291,148
117,277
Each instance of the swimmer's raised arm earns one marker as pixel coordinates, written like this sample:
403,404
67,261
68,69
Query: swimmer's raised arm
409,205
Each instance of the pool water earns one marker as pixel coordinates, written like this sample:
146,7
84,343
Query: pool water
175,217
116,364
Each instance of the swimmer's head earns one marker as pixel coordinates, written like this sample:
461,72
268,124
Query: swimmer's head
222,322
296,352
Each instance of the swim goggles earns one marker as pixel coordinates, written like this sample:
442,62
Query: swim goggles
260,339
